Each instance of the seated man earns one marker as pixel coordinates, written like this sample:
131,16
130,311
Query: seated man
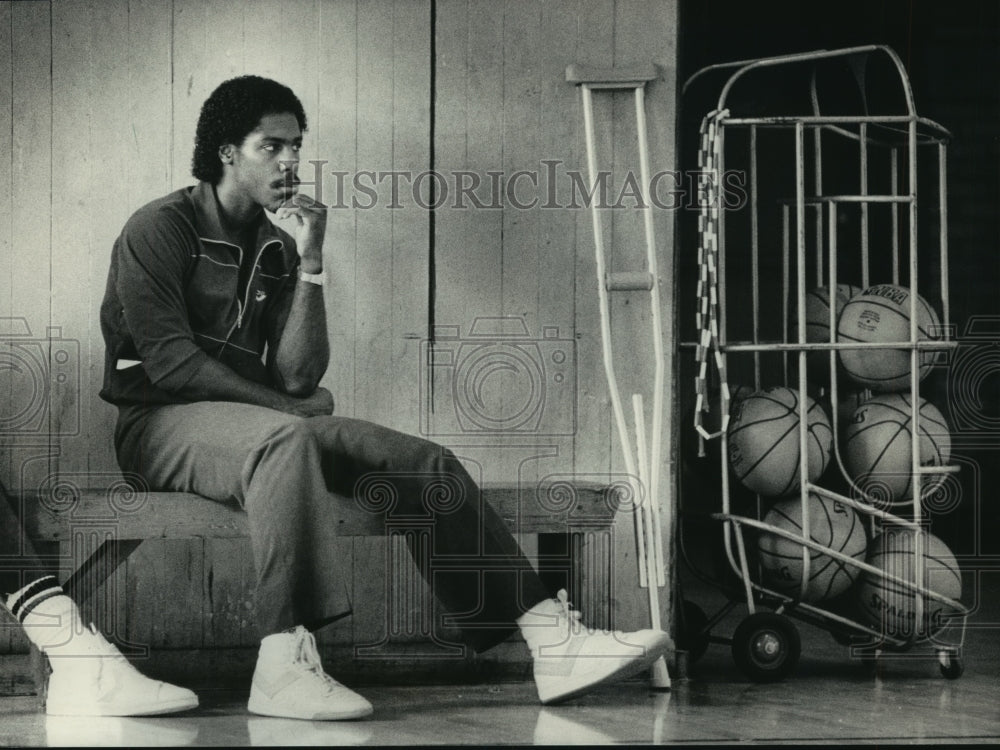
216,337
89,677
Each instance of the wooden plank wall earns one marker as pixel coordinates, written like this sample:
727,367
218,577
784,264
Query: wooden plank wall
7,634
29,218
104,99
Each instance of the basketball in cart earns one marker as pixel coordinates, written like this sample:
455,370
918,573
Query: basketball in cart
820,316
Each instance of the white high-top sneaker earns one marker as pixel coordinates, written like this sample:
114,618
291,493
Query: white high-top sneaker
289,681
90,677
570,659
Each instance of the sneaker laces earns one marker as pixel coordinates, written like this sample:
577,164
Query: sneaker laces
306,655
101,646
572,619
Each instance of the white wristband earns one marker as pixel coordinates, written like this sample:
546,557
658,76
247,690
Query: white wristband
313,278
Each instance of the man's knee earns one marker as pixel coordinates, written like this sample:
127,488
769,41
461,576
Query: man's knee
429,456
282,478
290,444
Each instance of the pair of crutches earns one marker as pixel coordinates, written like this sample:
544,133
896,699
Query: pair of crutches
642,465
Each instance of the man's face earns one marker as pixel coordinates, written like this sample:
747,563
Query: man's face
265,166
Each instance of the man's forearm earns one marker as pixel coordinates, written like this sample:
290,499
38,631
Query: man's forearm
304,350
214,381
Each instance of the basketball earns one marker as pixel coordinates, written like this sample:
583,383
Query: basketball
818,323
891,607
878,445
881,314
831,524
818,311
764,441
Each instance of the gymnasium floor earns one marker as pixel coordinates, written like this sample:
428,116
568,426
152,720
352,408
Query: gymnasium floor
831,699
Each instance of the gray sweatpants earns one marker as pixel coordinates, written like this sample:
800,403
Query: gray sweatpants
287,472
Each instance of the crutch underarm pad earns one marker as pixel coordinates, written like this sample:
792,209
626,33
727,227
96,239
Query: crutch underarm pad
611,77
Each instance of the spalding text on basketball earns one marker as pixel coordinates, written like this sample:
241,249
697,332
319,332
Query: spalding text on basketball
904,619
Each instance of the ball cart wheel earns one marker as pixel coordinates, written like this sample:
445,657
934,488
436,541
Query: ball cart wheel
766,647
692,635
951,664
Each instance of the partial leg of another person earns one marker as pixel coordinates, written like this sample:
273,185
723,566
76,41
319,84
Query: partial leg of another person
89,677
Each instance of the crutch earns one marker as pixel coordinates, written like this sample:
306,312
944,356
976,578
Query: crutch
643,466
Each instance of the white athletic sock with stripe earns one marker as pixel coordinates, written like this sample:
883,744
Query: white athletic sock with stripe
102,682
48,616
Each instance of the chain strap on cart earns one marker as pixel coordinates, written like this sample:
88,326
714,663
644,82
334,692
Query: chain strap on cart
707,316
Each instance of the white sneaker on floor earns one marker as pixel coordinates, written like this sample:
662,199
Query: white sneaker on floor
90,677
570,659
289,682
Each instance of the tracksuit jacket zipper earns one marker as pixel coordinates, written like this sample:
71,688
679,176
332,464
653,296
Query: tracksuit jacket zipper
241,306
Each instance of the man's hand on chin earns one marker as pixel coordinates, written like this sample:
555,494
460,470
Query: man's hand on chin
309,230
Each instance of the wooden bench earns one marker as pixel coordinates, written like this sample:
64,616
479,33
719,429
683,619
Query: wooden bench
97,530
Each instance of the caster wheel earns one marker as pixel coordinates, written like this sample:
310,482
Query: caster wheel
692,635
951,665
766,647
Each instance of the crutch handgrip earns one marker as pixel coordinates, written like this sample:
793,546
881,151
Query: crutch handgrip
629,281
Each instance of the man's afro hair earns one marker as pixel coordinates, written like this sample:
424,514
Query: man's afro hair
233,111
